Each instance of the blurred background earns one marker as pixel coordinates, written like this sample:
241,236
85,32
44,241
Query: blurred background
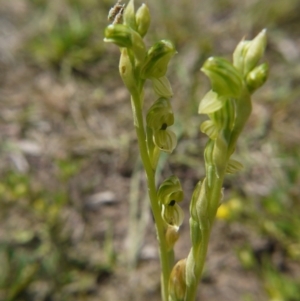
69,173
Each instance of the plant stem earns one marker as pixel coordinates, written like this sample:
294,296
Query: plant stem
213,195
191,291
165,255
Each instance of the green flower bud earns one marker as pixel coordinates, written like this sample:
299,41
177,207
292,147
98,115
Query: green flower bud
257,77
157,59
255,51
177,282
129,15
143,19
224,77
165,140
172,235
170,190
239,55
126,70
172,214
118,34
160,114
123,36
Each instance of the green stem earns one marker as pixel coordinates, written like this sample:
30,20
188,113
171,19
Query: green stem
165,256
191,291
213,195
214,192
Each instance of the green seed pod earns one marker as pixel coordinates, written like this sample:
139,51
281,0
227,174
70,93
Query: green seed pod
157,59
170,190
177,282
255,51
126,70
257,77
224,77
160,114
172,235
143,19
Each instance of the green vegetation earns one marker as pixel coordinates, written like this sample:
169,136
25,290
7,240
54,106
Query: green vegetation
228,106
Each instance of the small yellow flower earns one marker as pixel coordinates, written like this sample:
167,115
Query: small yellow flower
223,212
229,209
